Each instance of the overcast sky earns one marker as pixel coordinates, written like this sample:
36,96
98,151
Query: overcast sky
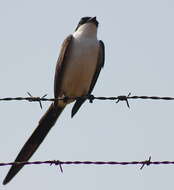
139,43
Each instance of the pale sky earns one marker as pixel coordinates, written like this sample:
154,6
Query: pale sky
139,43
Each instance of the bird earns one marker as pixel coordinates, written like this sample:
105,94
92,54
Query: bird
80,61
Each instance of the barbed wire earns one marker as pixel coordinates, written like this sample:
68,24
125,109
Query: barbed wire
90,97
61,163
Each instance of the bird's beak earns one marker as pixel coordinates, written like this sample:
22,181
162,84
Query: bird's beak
93,19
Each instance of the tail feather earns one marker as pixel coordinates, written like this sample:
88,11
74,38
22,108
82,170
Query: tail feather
44,126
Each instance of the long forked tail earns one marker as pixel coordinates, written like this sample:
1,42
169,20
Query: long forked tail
44,126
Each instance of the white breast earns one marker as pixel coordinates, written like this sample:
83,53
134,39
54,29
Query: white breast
81,66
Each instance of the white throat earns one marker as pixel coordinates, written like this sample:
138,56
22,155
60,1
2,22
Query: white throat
87,30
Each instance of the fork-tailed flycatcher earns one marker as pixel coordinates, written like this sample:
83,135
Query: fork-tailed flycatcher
78,67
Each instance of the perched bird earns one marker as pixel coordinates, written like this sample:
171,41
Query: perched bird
78,67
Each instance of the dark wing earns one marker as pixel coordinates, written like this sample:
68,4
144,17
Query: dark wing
100,65
101,60
60,67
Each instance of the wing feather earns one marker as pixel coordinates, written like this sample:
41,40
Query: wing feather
61,64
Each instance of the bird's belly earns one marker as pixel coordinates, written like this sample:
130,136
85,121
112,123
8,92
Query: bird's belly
80,69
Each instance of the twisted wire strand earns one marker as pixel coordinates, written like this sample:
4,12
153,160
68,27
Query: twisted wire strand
89,97
60,163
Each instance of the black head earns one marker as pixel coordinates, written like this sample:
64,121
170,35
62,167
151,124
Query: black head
84,20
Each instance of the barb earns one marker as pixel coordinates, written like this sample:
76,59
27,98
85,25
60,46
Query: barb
91,98
36,98
146,162
60,163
